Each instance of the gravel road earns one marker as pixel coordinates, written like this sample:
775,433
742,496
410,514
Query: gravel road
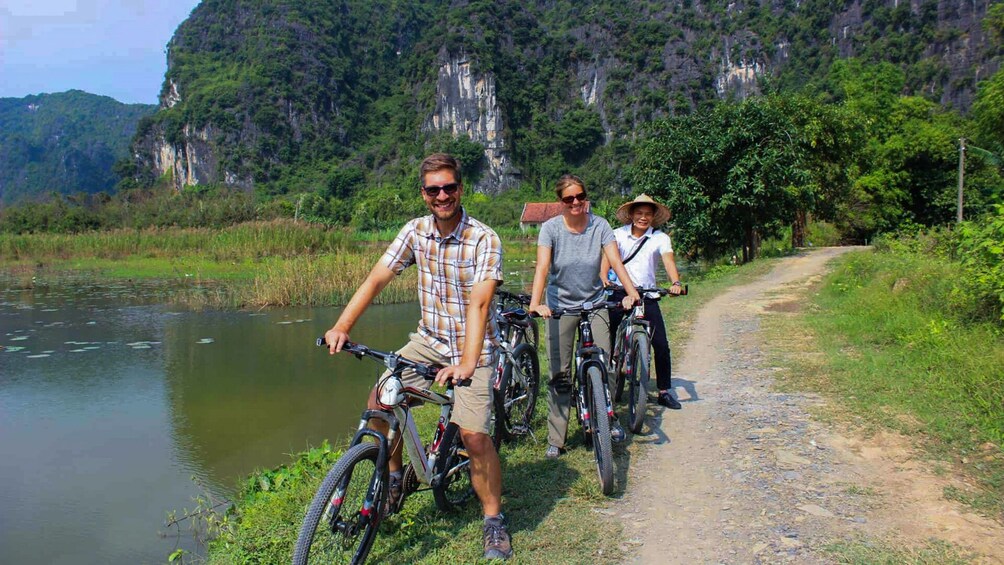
744,474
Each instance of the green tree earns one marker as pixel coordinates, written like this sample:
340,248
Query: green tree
732,175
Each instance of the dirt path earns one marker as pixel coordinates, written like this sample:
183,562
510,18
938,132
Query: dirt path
743,474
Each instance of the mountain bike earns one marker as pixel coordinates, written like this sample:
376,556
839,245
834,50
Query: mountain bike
630,360
517,374
342,520
589,381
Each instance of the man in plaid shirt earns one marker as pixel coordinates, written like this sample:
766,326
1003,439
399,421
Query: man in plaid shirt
459,263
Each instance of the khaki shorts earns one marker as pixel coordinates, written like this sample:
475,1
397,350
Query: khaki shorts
472,405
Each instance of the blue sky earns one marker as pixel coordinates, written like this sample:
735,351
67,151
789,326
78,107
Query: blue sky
109,47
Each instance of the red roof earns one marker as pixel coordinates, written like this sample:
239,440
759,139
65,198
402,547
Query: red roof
540,212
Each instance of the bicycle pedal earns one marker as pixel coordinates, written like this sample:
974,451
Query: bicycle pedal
463,452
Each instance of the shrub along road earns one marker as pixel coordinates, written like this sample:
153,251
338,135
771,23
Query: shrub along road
746,473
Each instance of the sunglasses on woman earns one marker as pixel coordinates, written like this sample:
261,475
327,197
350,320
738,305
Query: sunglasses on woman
449,189
581,197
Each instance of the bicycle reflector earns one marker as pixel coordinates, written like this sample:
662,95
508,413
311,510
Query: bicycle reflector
390,393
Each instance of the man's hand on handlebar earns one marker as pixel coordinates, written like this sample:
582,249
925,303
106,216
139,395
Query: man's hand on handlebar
336,339
456,373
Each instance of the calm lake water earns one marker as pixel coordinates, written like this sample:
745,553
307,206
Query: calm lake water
113,411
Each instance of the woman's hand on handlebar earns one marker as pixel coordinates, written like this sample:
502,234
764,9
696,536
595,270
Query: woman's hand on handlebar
630,300
541,310
336,339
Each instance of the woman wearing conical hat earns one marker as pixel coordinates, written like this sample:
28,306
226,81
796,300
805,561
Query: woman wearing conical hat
646,246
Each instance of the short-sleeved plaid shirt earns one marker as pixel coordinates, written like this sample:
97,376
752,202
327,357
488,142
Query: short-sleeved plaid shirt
448,268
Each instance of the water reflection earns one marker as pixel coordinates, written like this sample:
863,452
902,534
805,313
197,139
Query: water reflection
261,390
109,404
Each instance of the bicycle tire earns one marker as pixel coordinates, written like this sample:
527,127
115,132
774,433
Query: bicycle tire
535,331
640,366
455,487
516,399
331,535
602,447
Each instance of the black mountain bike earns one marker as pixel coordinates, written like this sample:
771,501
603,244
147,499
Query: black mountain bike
630,359
517,375
342,520
589,382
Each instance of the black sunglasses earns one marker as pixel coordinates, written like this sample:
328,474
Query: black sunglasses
449,189
581,197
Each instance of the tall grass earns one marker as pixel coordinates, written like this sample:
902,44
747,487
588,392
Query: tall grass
304,281
282,238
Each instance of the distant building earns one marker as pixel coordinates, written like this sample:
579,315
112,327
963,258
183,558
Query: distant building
536,213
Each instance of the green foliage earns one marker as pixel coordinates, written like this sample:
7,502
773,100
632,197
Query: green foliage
900,339
988,111
738,172
63,143
981,253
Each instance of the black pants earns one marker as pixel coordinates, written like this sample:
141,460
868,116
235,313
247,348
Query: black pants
660,344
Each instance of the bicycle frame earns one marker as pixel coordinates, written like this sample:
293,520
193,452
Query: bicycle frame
631,323
587,353
398,417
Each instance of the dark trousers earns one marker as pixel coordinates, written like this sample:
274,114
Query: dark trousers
660,343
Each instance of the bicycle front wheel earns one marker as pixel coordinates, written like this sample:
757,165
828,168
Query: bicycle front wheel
342,520
602,447
640,352
453,471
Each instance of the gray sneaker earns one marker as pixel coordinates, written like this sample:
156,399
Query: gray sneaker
553,452
617,434
497,542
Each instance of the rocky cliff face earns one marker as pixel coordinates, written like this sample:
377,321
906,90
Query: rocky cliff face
257,92
466,104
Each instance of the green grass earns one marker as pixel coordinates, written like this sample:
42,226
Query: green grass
279,263
859,552
892,355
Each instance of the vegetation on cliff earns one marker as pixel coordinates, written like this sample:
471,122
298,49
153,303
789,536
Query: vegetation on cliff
65,143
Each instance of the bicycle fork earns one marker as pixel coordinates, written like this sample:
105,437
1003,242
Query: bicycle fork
583,391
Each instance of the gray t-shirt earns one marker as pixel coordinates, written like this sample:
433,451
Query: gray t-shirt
575,261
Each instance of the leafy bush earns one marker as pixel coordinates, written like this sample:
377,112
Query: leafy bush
981,253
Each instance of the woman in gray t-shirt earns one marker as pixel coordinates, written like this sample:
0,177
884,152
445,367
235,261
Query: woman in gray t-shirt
569,250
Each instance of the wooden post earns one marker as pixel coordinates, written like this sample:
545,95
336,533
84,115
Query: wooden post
962,172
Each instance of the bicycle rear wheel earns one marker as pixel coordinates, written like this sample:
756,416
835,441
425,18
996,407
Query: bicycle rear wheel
516,398
342,520
602,447
453,470
639,375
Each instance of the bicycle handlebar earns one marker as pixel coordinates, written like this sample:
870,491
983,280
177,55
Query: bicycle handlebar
586,307
660,291
521,298
425,370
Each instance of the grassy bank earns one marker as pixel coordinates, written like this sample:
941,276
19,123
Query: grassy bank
259,264
898,350
554,506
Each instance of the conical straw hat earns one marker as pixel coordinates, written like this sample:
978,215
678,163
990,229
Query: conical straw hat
662,213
